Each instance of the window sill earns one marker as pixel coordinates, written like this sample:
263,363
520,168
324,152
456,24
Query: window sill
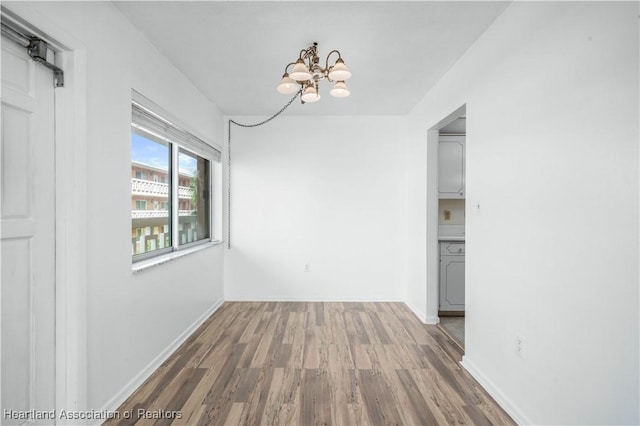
164,258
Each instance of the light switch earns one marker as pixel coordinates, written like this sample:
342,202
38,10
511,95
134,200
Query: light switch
447,215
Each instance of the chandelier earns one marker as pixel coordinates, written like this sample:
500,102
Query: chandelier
307,73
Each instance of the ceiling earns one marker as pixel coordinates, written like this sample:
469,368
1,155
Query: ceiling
235,52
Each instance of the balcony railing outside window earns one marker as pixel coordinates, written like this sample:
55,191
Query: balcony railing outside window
143,214
159,189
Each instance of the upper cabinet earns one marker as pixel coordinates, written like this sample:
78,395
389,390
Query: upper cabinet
451,167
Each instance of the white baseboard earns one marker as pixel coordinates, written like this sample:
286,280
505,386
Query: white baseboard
124,393
507,405
418,313
422,316
432,320
307,299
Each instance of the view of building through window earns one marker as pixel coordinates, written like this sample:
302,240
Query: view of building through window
193,194
150,215
151,195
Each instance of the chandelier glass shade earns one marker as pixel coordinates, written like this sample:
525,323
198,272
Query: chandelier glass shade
300,72
340,90
288,85
310,94
306,73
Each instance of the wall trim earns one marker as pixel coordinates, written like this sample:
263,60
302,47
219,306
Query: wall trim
421,315
431,320
507,405
116,401
307,299
71,240
417,312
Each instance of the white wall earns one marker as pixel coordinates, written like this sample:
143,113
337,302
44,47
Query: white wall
131,318
319,190
551,94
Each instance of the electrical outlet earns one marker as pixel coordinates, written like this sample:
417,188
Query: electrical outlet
519,346
307,267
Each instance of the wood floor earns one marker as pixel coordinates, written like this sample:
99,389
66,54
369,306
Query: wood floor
263,363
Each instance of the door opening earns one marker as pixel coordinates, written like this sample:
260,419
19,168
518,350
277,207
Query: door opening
449,136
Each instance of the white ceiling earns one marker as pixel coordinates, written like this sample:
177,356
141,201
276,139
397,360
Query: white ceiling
235,51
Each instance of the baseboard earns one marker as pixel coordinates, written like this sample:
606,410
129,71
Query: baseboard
117,400
421,315
507,405
307,299
432,320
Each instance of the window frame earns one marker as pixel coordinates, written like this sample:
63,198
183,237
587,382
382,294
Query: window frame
177,138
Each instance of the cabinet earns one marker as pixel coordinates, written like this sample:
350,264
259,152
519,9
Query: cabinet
452,276
451,167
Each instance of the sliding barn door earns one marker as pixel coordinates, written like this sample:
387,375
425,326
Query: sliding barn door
27,237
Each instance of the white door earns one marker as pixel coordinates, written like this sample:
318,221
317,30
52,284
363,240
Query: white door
27,232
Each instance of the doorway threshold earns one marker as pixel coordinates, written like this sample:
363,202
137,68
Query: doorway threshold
453,327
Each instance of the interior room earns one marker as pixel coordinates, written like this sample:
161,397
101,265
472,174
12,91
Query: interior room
320,212
451,221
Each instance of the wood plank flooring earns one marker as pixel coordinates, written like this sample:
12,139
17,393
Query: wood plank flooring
267,363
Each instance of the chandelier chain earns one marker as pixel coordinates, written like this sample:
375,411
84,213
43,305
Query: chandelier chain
298,93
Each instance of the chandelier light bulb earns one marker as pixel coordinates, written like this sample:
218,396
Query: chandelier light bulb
300,71
310,95
287,85
339,72
340,90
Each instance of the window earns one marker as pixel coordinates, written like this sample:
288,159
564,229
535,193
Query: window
148,155
193,223
171,185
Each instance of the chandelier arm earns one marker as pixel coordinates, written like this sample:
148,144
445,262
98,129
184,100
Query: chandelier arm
326,65
229,157
287,67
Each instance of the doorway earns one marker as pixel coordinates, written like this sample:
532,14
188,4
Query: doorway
449,236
